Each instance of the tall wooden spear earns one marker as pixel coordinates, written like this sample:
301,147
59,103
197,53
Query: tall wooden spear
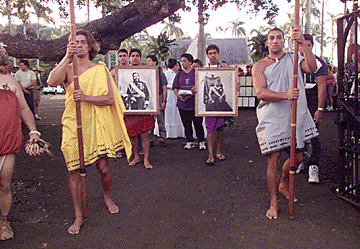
293,116
78,116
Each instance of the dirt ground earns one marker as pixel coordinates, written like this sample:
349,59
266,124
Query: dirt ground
182,202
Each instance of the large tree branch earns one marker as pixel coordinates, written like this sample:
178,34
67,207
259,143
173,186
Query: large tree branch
109,31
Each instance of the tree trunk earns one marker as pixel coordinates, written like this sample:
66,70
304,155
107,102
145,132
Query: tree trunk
202,38
308,17
322,29
109,31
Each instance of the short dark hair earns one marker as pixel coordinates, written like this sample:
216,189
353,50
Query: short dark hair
93,45
212,47
188,56
198,62
122,50
171,63
25,62
3,60
310,38
135,50
275,29
153,58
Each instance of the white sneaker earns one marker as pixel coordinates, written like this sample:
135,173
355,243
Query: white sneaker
331,109
313,174
189,145
202,146
300,168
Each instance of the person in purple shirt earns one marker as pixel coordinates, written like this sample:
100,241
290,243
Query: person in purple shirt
183,87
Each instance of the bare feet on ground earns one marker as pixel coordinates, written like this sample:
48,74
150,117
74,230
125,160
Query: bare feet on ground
134,162
283,189
148,165
272,213
113,208
75,227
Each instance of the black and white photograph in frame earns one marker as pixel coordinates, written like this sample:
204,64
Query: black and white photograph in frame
139,89
216,91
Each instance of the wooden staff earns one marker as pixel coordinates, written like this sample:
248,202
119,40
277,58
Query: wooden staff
293,117
78,115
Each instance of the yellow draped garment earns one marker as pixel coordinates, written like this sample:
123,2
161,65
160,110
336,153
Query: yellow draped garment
103,127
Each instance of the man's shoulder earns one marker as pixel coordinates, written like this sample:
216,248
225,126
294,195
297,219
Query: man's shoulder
320,60
262,64
322,67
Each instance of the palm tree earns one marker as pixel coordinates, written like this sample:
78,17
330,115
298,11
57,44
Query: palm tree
160,46
172,30
310,9
333,18
25,8
287,28
7,10
41,12
316,33
236,28
258,46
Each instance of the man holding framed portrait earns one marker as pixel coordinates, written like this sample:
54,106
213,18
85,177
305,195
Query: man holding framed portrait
214,97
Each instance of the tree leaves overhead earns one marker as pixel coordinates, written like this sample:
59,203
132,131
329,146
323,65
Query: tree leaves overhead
118,23
109,31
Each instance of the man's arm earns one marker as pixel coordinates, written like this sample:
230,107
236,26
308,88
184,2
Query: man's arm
164,88
262,93
25,113
321,84
308,65
61,72
102,100
32,83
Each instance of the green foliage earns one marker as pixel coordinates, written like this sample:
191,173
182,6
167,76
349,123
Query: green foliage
259,49
45,32
172,30
160,46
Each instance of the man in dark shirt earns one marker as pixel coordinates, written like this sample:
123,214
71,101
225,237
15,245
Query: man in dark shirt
315,85
152,60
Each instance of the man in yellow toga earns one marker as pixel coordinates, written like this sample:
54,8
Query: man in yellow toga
103,127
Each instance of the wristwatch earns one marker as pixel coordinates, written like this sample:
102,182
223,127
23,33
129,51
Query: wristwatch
321,109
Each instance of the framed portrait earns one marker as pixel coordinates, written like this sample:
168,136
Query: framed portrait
216,91
139,89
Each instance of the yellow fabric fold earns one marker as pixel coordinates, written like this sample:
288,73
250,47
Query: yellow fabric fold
103,127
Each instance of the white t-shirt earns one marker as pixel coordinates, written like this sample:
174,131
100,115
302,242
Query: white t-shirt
25,78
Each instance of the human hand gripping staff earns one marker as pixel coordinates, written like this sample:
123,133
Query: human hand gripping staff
72,51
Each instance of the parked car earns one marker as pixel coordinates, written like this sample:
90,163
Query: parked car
60,90
49,89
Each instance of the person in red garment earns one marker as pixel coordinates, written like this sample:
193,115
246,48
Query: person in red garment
13,107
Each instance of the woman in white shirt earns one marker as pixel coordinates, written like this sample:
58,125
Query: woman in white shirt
173,124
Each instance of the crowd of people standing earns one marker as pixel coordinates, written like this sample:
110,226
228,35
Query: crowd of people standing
110,133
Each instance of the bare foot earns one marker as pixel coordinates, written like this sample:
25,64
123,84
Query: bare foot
285,191
134,162
75,227
148,165
5,230
112,207
272,213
